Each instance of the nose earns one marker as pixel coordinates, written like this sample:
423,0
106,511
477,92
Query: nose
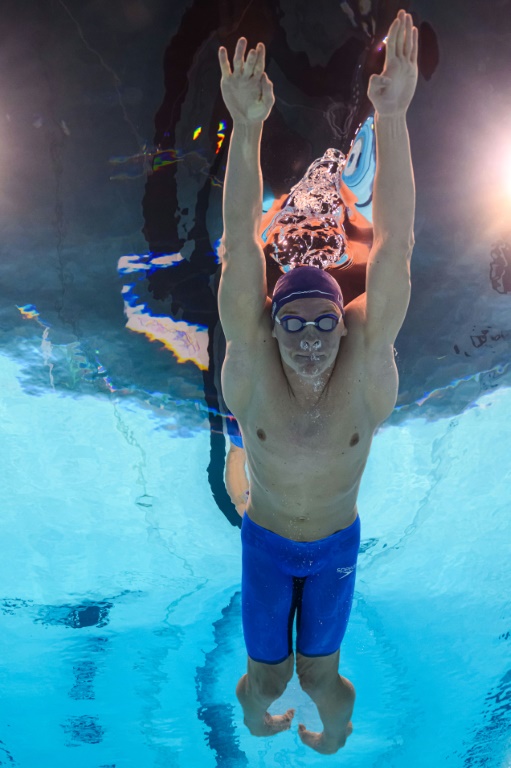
310,340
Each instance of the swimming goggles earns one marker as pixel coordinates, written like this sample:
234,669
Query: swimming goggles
293,324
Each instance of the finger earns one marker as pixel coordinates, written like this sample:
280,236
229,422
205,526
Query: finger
259,65
267,88
408,37
378,84
390,46
225,67
248,69
239,56
415,46
400,38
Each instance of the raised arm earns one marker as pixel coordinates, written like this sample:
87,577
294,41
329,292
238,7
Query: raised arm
391,94
248,94
388,266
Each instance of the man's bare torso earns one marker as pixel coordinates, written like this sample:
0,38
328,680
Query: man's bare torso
305,463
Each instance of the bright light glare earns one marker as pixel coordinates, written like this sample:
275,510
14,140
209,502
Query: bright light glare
507,182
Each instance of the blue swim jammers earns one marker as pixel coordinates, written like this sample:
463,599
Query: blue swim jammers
280,576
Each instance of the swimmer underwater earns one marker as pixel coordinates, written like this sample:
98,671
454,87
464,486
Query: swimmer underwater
309,381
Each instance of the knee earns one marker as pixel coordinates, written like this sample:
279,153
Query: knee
261,687
315,684
317,681
270,681
274,685
272,689
318,674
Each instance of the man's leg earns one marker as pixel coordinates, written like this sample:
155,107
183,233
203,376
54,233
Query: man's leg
263,684
334,697
322,619
267,611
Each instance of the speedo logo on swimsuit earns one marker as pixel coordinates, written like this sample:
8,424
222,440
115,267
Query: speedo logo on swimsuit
346,571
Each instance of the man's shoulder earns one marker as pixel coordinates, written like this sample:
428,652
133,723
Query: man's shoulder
356,322
248,364
250,350
356,311
378,362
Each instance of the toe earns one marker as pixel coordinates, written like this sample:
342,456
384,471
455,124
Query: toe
304,735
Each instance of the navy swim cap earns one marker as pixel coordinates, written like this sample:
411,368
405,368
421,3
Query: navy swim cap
305,283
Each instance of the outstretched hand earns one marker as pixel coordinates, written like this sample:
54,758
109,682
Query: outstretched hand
247,90
392,91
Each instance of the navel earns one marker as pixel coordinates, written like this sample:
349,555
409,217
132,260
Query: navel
261,434
354,439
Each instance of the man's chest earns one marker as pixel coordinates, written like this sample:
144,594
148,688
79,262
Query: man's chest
339,424
307,460
323,435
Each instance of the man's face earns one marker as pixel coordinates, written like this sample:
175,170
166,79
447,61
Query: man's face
309,352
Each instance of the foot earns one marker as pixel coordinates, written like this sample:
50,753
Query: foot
271,724
320,742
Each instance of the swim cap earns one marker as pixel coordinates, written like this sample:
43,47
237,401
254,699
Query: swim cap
305,283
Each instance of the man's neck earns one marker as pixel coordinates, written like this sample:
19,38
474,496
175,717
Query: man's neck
307,391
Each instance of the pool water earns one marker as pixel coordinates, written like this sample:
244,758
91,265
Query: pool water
121,641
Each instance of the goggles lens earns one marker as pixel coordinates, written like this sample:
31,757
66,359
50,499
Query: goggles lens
293,324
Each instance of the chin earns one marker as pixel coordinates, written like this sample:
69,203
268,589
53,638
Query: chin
307,367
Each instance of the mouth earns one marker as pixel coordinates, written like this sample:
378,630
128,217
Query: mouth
311,357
